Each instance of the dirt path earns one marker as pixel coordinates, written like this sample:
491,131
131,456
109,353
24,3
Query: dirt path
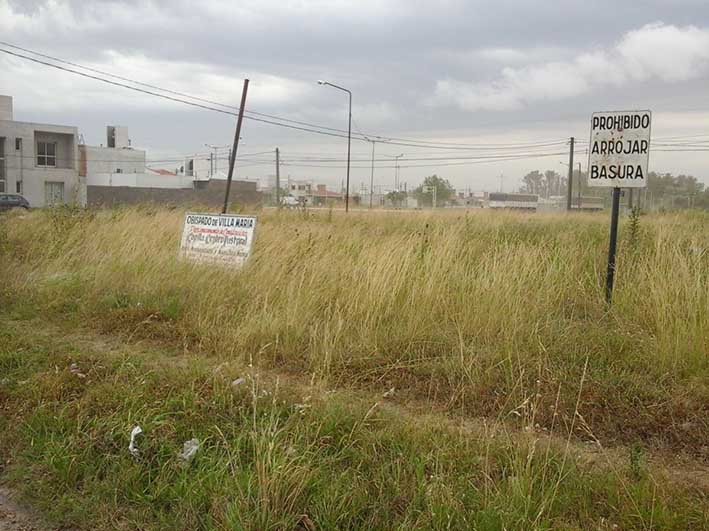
687,472
683,470
16,518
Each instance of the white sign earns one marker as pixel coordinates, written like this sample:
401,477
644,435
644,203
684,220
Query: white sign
220,239
619,149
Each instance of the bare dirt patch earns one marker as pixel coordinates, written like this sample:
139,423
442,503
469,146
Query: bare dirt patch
16,518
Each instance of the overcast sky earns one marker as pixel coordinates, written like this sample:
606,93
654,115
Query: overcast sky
469,72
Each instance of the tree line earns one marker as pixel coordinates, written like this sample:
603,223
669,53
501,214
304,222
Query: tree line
664,190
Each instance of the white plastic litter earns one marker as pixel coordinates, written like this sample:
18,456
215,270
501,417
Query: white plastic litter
132,448
238,381
74,369
189,450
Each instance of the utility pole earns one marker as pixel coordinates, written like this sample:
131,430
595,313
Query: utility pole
278,178
579,183
232,153
396,172
502,178
571,174
371,178
214,158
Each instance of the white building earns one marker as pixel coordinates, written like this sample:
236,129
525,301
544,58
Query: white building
199,168
39,161
116,157
300,189
119,165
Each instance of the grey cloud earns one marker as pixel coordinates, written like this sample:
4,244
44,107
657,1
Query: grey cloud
391,54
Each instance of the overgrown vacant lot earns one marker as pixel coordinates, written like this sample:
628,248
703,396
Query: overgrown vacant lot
489,319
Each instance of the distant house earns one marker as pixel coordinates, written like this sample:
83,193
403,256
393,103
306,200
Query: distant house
301,190
113,164
322,196
39,161
163,173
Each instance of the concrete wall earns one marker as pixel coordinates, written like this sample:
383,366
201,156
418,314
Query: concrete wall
140,180
6,108
377,199
21,164
111,160
209,193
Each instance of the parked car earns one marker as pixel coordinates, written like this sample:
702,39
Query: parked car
11,201
292,202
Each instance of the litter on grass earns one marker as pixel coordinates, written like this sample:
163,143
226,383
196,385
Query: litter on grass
132,448
189,450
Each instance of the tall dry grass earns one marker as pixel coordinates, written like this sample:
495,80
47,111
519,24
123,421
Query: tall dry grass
483,312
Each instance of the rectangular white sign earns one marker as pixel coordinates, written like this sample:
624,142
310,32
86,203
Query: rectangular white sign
619,149
220,239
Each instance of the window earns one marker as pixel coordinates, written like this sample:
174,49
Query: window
18,187
47,154
18,144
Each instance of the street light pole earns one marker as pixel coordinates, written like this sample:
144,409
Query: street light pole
349,140
396,178
579,183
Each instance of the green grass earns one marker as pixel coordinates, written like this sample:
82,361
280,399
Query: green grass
273,450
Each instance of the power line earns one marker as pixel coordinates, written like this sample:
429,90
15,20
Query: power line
156,87
171,98
509,151
308,127
464,163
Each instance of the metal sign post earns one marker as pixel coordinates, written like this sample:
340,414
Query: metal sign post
618,157
610,272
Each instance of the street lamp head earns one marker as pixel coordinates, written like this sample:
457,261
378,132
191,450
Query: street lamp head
321,82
